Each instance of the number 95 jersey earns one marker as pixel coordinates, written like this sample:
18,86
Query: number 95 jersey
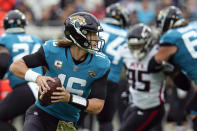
185,38
146,88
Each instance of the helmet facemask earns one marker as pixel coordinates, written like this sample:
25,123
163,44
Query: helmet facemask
140,40
95,44
139,48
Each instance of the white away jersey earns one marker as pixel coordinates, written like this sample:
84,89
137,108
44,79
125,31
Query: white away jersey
146,88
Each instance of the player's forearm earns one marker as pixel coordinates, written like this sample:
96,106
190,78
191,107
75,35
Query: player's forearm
165,53
19,68
95,106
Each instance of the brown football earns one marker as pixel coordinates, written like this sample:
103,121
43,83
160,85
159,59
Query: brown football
45,99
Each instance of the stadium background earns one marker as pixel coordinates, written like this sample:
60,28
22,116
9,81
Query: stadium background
46,17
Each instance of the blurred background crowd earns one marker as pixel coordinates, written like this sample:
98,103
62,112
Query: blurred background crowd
46,17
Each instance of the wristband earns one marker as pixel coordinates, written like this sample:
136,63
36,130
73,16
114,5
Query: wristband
31,75
78,101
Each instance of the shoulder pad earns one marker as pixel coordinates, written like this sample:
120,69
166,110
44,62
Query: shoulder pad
51,46
102,61
170,37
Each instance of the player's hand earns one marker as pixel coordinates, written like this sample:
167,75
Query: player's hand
124,97
42,83
168,67
60,96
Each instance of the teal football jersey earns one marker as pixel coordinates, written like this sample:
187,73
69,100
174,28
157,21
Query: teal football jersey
185,38
114,37
19,45
75,78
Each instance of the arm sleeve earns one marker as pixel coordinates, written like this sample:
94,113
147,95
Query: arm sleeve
36,59
99,87
166,44
182,81
153,66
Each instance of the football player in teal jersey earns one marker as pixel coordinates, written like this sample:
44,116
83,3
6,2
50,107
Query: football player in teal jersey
82,69
15,44
178,44
115,36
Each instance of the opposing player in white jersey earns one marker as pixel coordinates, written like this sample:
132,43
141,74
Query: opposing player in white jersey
146,88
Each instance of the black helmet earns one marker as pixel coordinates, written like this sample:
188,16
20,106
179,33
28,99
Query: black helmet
169,17
118,15
14,19
78,25
140,40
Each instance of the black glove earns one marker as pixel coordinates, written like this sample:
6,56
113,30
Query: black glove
195,124
182,81
167,67
124,97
